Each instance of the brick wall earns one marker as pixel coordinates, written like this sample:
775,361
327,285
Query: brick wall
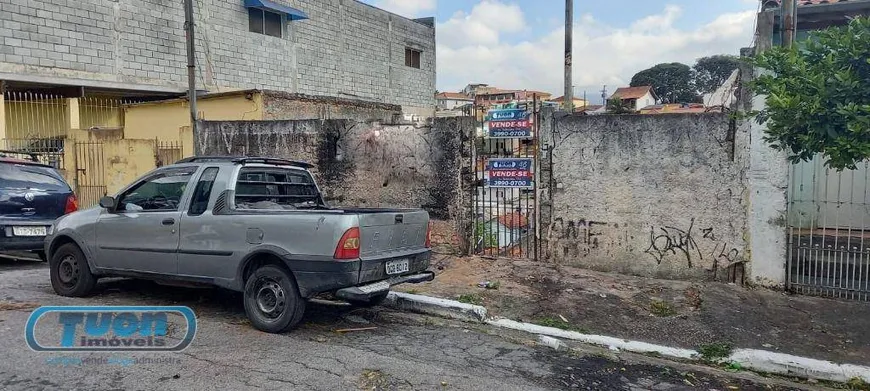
346,48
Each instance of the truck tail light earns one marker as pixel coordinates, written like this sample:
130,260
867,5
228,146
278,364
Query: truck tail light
72,204
348,245
429,236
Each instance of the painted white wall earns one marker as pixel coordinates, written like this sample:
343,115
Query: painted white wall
768,187
644,101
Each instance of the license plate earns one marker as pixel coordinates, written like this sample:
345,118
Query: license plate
28,231
398,267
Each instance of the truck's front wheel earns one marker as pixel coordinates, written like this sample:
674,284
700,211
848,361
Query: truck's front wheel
272,300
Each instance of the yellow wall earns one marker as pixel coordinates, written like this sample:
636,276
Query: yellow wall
165,120
125,161
100,112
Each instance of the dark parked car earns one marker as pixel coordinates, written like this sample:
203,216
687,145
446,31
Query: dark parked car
32,196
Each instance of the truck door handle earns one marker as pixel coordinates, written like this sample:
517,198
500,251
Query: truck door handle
169,221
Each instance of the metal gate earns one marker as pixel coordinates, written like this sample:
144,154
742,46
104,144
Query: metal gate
505,164
829,239
90,180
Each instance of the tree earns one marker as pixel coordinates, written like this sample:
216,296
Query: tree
673,82
817,95
711,72
617,106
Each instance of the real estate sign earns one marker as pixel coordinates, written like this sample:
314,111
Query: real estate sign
508,123
509,172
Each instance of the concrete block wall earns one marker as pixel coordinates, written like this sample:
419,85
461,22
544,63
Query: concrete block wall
364,164
284,106
346,49
655,195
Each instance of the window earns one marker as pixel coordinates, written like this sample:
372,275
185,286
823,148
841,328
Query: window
264,22
275,188
199,201
161,192
412,58
23,176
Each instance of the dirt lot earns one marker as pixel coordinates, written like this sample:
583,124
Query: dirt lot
675,313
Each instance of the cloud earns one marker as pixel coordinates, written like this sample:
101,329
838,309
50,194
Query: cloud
407,8
472,51
483,25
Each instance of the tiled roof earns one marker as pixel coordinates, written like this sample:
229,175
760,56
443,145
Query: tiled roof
776,3
631,92
452,95
513,221
561,98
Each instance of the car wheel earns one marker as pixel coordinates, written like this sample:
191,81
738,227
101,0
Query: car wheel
374,301
41,255
272,300
70,274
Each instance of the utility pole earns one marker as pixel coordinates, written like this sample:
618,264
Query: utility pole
604,95
568,101
191,65
789,17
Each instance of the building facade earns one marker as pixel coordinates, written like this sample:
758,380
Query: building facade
635,98
341,48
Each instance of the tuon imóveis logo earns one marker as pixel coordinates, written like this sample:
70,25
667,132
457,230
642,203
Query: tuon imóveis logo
110,328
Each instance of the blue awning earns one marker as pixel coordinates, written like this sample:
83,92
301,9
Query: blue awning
292,13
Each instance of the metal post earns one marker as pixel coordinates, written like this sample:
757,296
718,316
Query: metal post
568,101
789,17
191,64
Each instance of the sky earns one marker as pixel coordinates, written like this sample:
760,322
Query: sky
519,44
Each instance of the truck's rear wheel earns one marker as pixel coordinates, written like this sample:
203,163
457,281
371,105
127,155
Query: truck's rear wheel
69,272
272,300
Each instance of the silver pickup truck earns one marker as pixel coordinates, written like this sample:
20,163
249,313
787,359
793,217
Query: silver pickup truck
255,225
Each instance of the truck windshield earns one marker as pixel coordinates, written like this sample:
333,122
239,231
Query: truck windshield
276,189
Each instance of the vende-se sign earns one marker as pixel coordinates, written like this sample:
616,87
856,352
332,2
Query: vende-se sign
510,124
514,172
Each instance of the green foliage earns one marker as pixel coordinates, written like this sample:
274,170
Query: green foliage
661,308
672,82
715,351
711,72
470,298
560,324
818,95
617,106
858,384
485,235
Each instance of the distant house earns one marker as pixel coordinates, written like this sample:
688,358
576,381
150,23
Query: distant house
591,109
451,100
635,98
494,96
471,89
578,102
673,108
813,15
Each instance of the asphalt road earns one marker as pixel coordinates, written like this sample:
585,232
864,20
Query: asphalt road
404,352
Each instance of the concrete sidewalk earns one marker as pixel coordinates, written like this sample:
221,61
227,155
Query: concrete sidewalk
696,316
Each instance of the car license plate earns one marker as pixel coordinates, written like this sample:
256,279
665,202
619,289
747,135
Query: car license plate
28,231
398,267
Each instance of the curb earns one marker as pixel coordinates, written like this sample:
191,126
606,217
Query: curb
434,306
752,359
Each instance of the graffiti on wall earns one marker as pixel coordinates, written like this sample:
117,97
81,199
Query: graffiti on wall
690,245
582,238
668,240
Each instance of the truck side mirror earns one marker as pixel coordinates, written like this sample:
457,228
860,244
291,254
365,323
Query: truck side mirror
108,203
